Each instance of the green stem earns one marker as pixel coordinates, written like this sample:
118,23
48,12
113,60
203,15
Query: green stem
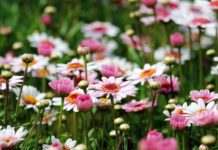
200,65
60,117
86,70
191,61
6,103
39,127
183,141
21,90
180,72
113,116
171,80
74,125
150,123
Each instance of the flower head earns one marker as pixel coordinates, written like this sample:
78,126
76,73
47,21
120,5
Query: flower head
136,106
62,86
178,122
84,102
177,40
205,95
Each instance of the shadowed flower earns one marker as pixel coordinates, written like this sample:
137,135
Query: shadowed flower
62,86
205,95
92,44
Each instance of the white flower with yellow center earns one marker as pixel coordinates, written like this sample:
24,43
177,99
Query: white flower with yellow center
10,138
148,72
30,96
39,62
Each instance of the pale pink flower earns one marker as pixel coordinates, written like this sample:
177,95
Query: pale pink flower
205,95
84,102
136,106
8,58
166,84
62,85
204,118
46,20
115,87
45,48
178,122
109,70
92,44
167,144
177,39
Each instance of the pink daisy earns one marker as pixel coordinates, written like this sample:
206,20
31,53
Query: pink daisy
135,106
178,122
206,117
205,95
115,87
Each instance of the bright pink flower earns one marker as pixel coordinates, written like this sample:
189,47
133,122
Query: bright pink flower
206,117
205,95
84,102
166,84
154,135
146,144
92,44
149,3
135,106
178,122
177,40
46,20
109,70
62,86
45,48
167,144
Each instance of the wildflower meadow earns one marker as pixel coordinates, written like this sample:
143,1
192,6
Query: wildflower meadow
109,75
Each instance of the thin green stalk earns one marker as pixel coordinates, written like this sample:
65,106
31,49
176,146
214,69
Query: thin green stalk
183,141
86,70
21,89
39,127
31,131
120,142
150,123
171,79
181,72
6,103
191,61
113,116
60,117
200,58
74,125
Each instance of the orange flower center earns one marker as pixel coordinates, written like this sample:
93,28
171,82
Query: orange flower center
2,80
8,139
173,54
29,99
75,66
66,148
111,87
147,73
103,100
179,112
72,98
42,72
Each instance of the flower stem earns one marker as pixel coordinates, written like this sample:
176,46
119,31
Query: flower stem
191,61
113,116
150,123
39,127
6,103
171,79
180,72
21,90
86,70
60,117
200,60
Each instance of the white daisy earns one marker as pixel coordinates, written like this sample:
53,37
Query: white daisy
13,82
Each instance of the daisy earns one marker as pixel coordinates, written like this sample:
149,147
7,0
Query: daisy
30,96
74,67
136,106
115,87
178,122
48,45
148,72
163,52
102,102
49,117
98,29
49,72
13,82
207,117
39,62
69,101
205,95
57,145
10,138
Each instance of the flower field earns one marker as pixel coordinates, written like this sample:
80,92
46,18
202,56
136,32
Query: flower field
109,75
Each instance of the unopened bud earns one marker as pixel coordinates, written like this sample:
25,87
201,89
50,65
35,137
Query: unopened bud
124,127
83,84
130,32
208,139
17,45
50,9
118,121
211,52
170,107
169,60
112,133
117,107
27,58
7,75
154,85
83,50
210,87
7,67
203,147
172,101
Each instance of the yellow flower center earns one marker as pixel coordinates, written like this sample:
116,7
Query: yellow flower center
147,73
111,87
72,98
75,66
8,139
103,100
29,99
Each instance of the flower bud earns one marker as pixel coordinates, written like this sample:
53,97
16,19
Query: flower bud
1,66
124,127
169,60
83,84
130,32
208,139
81,147
149,3
21,105
172,101
118,121
7,75
177,40
38,104
117,107
211,52
1,97
7,67
17,45
170,107
203,147
27,58
50,9
54,57
112,133
154,85
210,87
50,95
84,102
83,50
45,103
